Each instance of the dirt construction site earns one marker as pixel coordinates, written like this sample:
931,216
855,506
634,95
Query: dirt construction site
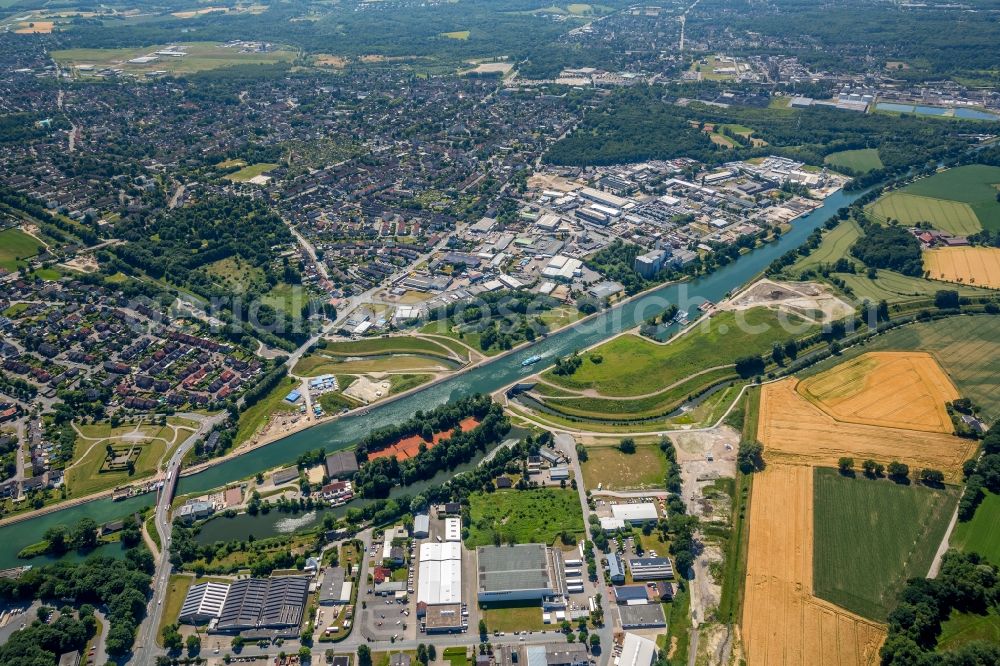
979,266
885,406
814,302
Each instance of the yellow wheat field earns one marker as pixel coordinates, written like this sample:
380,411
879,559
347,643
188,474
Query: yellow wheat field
783,624
978,266
891,389
795,431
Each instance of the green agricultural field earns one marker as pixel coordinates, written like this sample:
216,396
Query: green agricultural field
632,365
962,628
834,246
15,247
253,419
201,56
871,536
646,468
975,184
249,172
461,35
898,288
954,217
982,533
861,161
523,516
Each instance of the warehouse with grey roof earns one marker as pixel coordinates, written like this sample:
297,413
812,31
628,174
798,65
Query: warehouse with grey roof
516,573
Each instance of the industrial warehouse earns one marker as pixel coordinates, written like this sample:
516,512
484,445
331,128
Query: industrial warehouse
518,573
274,605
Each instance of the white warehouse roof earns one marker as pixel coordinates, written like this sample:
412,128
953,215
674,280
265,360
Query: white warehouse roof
634,512
439,579
637,651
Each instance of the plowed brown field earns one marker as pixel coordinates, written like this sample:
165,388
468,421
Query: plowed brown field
978,266
891,389
783,624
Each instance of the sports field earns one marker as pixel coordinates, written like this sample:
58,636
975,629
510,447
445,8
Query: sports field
646,468
978,266
523,516
782,622
870,536
631,365
982,533
862,160
890,389
975,184
15,247
967,347
794,431
955,217
835,245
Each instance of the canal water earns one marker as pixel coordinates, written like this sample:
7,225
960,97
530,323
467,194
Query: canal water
343,432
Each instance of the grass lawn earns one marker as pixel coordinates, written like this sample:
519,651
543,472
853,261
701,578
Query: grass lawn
333,402
871,536
974,184
835,245
15,247
238,275
400,383
968,348
252,419
982,533
47,274
632,365
646,468
287,298
321,364
524,516
515,616
84,476
862,160
251,171
397,344
962,628
176,591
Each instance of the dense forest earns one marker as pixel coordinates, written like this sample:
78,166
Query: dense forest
889,247
119,585
639,124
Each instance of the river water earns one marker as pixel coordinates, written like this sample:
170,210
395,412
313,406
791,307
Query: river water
343,432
